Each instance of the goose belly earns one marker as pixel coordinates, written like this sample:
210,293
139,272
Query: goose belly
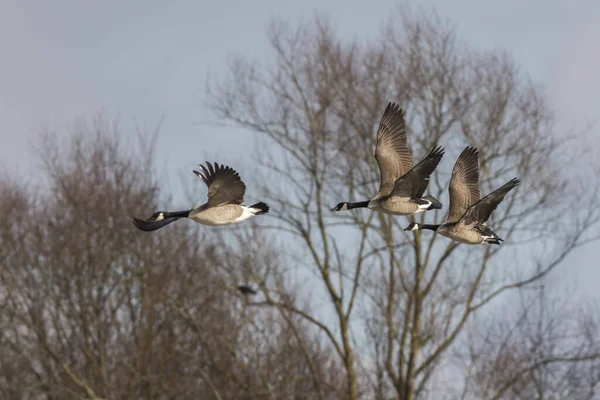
398,207
221,215
463,236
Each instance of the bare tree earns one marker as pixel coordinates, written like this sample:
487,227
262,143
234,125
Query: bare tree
400,301
91,307
547,350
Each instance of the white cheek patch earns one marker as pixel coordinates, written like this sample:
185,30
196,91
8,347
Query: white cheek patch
160,217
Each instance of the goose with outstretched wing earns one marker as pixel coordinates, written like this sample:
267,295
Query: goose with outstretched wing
224,206
468,214
402,185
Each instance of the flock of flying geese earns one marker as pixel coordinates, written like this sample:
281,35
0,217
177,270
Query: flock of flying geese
401,192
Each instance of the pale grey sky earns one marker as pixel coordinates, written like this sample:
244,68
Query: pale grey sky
144,59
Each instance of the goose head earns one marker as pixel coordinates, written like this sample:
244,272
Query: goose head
413,226
157,216
340,207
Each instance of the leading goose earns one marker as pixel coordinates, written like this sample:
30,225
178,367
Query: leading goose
402,185
224,206
468,214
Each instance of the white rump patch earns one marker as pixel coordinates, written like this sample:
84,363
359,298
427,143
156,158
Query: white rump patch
423,207
247,212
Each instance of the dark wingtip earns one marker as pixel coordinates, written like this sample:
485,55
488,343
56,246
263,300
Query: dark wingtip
210,168
393,110
438,148
513,183
205,174
471,151
435,154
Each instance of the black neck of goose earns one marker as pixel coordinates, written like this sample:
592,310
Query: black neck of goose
359,204
429,226
177,214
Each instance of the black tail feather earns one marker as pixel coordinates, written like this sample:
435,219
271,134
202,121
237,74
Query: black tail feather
435,203
494,240
260,206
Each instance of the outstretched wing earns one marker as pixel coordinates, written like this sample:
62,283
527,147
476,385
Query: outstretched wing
414,183
391,152
464,184
480,212
224,184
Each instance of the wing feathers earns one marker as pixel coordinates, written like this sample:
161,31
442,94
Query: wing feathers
464,184
224,184
392,152
414,183
480,212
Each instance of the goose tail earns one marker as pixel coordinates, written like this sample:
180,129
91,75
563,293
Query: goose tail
259,208
494,240
435,203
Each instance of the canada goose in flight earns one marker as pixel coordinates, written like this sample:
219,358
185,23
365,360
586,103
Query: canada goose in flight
402,185
467,213
224,206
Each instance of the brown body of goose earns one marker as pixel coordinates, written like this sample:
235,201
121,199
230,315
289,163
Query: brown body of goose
402,185
224,206
468,214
